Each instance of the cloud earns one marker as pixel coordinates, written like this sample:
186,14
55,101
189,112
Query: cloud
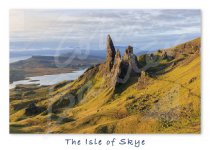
88,28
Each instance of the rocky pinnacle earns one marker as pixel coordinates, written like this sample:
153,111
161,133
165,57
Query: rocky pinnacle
110,53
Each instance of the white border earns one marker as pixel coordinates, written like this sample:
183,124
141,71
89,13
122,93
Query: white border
156,141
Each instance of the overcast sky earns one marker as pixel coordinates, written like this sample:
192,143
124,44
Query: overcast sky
87,29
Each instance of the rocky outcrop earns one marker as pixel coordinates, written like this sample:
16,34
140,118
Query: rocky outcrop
110,53
164,55
128,53
143,80
117,63
33,110
118,69
189,48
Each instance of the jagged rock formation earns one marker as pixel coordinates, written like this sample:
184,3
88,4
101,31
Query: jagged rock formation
110,53
128,53
118,69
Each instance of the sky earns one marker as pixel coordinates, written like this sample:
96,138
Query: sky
87,29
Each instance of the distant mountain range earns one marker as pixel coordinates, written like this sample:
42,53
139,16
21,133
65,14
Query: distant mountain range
96,53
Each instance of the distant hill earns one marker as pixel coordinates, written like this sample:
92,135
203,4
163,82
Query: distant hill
36,53
82,53
100,53
45,65
157,92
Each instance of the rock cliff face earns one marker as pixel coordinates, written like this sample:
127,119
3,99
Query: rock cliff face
118,69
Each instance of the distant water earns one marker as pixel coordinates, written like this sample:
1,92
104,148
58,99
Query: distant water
15,59
49,79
